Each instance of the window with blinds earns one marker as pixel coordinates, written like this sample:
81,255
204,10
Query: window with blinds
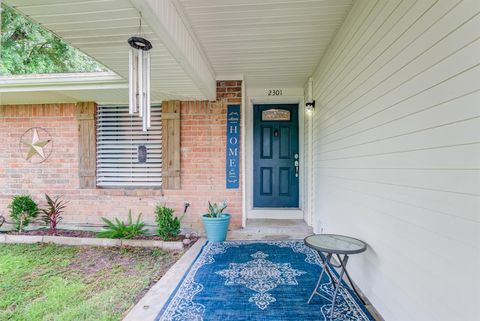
126,155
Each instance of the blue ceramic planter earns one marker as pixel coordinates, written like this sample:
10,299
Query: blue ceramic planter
216,227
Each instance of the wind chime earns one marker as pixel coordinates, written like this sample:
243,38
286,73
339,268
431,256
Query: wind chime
139,77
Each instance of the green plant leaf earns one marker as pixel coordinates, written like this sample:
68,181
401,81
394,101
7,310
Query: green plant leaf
123,230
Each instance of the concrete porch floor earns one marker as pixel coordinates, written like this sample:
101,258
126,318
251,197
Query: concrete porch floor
271,229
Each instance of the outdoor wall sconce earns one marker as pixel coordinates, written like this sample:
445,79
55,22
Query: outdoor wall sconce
310,106
310,103
139,77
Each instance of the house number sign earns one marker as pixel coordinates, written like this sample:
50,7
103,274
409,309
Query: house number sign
274,92
233,144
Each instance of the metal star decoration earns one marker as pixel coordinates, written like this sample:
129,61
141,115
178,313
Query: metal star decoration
35,147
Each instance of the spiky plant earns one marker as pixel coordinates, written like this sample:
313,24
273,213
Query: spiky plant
52,214
216,210
121,230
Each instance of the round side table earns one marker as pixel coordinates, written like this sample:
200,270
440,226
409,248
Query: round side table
334,245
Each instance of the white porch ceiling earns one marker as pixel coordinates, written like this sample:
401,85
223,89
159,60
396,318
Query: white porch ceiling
271,42
100,28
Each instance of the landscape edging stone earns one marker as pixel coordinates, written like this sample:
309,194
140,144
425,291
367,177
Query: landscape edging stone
79,241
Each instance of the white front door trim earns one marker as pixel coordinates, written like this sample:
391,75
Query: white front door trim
273,213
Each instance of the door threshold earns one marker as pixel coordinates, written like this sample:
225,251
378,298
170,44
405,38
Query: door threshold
276,209
276,213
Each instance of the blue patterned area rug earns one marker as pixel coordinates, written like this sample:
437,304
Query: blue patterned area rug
257,280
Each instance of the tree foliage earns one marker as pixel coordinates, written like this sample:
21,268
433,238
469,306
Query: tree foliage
27,48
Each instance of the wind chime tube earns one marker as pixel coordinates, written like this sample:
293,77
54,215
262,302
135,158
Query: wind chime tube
144,93
140,82
133,89
147,91
131,92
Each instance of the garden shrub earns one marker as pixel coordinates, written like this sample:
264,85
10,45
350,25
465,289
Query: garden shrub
168,225
22,210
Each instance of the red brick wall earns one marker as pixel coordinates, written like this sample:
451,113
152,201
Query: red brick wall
203,128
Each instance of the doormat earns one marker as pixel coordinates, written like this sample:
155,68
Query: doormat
258,280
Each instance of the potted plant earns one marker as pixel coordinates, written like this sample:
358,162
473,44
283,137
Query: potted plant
216,222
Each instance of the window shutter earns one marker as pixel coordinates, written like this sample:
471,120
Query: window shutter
86,143
171,144
126,155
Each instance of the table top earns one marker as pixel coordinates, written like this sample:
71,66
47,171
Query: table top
336,244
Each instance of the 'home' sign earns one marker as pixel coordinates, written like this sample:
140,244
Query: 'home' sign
233,144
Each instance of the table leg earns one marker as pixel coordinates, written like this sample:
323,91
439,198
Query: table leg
344,265
324,267
351,283
325,262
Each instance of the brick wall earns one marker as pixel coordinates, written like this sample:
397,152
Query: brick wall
203,127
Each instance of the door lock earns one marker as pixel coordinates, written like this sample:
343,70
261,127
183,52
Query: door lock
297,164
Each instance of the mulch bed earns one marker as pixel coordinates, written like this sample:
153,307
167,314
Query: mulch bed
69,233
80,233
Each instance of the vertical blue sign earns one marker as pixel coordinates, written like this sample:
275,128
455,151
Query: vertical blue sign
233,146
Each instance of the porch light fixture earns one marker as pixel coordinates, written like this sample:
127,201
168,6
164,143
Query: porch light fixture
310,104
139,77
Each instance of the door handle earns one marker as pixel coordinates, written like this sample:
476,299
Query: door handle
297,164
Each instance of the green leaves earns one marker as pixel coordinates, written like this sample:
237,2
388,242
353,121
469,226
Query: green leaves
22,210
168,226
52,214
122,230
27,48
216,210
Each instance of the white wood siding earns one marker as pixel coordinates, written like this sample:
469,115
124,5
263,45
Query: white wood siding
397,153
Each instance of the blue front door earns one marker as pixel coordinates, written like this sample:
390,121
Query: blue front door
275,156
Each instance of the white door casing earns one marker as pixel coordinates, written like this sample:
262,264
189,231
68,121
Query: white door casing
260,96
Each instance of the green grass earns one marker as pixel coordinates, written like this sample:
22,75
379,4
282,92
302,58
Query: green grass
49,282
